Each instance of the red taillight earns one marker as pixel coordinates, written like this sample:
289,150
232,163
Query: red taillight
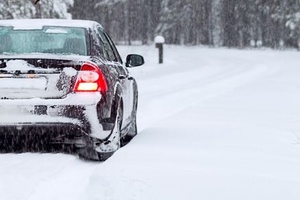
90,79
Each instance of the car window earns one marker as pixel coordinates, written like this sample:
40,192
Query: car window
57,40
107,48
113,47
99,46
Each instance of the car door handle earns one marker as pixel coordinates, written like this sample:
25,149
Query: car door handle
122,77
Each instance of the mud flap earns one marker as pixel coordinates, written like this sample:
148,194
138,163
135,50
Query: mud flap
90,153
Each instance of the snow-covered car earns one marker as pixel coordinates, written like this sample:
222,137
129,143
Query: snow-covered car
63,82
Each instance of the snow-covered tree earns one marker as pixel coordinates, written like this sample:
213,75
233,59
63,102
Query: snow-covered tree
233,23
14,9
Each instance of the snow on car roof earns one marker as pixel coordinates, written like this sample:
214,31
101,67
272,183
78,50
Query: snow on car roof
39,23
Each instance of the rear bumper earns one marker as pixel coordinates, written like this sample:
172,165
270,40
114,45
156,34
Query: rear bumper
80,99
41,136
75,110
18,120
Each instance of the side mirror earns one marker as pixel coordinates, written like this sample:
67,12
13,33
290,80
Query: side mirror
134,60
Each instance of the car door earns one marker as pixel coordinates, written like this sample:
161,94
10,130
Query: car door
125,81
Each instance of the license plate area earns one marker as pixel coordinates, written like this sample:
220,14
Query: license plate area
20,83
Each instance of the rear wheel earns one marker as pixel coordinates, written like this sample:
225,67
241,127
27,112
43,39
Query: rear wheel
103,151
132,132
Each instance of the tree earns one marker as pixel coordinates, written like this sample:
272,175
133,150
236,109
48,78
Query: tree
14,9
232,23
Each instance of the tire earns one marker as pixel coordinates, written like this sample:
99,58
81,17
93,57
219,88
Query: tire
133,124
114,140
91,154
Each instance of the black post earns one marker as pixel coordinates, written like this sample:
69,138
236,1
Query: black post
160,52
159,43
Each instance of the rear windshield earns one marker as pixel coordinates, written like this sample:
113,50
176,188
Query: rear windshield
56,40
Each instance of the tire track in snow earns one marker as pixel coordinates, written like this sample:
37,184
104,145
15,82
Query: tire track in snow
50,176
170,99
44,176
113,184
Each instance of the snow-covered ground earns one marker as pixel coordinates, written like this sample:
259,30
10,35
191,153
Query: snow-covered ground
213,124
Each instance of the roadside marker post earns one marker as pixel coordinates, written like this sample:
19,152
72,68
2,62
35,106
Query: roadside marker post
159,43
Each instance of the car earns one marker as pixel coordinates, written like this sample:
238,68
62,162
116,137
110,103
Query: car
63,83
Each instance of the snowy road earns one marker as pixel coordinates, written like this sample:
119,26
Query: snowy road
213,124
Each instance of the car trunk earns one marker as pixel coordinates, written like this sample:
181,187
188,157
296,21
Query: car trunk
36,78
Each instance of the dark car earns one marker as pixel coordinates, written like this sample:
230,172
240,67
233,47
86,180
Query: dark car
63,82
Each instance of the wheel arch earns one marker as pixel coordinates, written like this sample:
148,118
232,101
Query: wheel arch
106,107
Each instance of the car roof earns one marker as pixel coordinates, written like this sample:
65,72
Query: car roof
39,23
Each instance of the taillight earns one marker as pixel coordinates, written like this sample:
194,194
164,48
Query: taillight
90,79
